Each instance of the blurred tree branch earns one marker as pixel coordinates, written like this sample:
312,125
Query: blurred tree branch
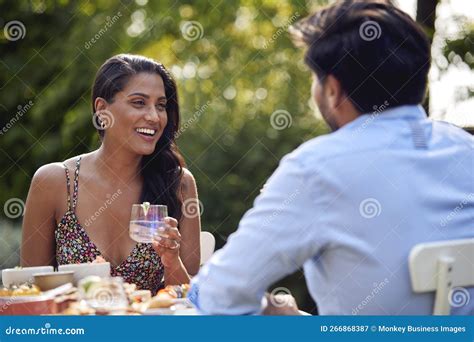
426,16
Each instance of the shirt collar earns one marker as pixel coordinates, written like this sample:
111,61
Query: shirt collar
406,112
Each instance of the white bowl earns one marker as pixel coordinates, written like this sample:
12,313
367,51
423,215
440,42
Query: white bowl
17,276
101,269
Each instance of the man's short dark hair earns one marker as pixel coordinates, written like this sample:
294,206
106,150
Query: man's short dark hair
376,51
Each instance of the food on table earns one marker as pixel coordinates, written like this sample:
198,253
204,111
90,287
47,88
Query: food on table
25,289
92,286
104,294
175,291
88,282
129,288
139,300
69,295
78,308
159,302
167,296
140,296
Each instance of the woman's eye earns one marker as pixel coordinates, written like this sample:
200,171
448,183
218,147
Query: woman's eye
139,102
161,106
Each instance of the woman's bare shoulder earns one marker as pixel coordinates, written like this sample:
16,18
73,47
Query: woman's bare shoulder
188,186
187,180
49,174
53,175
70,163
47,186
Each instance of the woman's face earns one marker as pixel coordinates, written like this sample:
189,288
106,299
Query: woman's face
138,114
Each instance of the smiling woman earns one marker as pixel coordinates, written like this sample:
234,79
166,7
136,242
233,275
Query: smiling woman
136,113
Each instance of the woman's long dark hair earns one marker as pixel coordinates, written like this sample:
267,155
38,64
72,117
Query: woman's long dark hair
162,170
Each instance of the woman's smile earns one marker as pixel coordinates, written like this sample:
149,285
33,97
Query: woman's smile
147,134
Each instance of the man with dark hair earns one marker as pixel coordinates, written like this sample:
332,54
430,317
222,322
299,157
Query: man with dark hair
349,206
373,51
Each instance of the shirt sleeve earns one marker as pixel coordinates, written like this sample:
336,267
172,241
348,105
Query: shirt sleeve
273,239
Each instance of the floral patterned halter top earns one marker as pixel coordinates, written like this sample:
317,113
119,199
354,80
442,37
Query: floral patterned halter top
142,267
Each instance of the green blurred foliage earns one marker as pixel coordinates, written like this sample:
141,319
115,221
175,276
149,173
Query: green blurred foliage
460,50
461,46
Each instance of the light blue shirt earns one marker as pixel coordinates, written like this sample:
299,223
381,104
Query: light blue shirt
348,207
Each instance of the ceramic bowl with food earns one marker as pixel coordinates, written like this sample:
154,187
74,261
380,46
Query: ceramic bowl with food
32,306
22,275
26,299
100,269
51,280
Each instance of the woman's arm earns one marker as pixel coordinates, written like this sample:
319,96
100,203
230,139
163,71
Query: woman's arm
180,249
38,242
190,225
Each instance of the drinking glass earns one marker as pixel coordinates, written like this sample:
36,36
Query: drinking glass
145,221
103,294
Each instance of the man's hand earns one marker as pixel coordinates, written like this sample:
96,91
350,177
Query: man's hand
280,305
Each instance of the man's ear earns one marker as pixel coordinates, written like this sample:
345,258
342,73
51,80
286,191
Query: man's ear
333,92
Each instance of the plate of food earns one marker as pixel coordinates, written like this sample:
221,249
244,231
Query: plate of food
170,301
28,299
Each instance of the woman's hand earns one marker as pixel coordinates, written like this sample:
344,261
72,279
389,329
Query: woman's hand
167,243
